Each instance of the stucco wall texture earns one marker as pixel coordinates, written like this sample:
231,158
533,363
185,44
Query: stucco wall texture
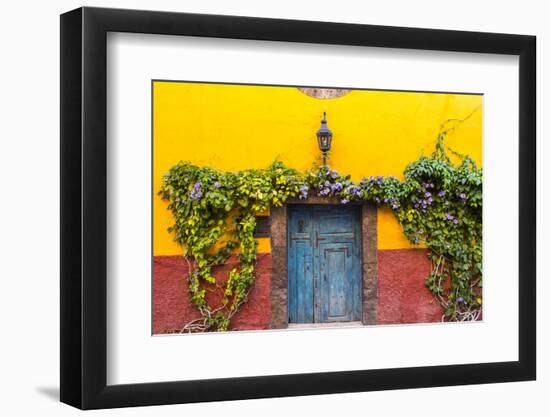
172,308
234,127
402,296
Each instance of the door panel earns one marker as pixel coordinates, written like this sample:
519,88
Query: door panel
337,223
324,264
336,289
300,268
301,286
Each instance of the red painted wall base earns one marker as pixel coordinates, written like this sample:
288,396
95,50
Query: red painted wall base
172,308
402,296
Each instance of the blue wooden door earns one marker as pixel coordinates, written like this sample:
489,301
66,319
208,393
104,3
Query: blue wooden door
324,264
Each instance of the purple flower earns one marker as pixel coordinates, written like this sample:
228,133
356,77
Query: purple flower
462,196
455,221
460,299
449,216
344,201
441,193
416,206
196,192
395,206
217,184
427,194
333,174
386,200
354,190
337,187
303,192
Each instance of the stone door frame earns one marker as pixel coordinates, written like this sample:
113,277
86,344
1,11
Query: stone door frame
279,256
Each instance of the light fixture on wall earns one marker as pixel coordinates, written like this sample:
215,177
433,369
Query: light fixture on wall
324,138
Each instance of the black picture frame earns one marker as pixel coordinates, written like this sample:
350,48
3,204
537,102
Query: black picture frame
84,207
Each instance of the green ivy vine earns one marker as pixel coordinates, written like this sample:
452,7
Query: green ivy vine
438,204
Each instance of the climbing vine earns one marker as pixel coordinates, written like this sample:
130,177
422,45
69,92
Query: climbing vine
214,215
438,204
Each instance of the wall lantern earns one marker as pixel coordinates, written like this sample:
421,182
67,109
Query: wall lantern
324,138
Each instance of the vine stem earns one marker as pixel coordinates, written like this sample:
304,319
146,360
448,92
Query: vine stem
458,122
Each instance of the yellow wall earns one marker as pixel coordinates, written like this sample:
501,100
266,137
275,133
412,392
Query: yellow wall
232,127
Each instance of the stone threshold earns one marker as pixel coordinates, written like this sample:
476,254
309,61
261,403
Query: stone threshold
324,325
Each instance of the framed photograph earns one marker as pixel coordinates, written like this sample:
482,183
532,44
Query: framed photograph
257,208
